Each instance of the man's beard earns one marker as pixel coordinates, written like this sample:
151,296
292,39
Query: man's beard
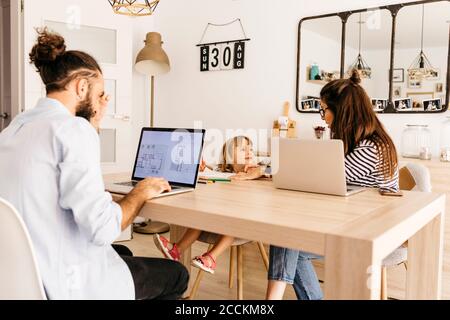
84,108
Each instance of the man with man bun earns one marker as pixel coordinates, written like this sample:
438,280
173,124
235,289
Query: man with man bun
50,169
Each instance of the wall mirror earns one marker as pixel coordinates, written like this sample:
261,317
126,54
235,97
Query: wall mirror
421,42
401,50
320,62
367,47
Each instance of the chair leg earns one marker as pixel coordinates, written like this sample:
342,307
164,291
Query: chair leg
240,278
384,283
264,256
199,278
196,285
232,266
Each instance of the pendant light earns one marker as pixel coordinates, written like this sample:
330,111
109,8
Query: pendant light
135,8
360,64
421,66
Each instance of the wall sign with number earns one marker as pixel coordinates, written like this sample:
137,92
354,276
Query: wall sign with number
223,55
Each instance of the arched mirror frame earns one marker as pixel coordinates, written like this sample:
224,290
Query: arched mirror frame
394,9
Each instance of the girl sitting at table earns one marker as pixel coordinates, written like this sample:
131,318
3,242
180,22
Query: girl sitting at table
370,161
237,158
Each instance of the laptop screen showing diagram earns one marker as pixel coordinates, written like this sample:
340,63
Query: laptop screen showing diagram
172,155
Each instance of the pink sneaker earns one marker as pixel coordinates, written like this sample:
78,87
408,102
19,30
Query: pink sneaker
205,262
169,250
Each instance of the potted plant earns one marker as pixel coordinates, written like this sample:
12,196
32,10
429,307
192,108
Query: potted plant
319,130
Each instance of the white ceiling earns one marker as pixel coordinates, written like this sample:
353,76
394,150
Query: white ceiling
377,26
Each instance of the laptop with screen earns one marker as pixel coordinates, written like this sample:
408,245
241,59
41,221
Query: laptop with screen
172,154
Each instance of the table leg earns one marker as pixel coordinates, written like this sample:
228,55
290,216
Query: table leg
176,233
350,270
424,273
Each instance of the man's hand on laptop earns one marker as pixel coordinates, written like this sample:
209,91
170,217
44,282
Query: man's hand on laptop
152,187
145,190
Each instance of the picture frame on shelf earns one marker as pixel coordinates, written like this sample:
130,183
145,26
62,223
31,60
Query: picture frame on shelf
418,98
308,105
379,104
432,104
404,104
398,75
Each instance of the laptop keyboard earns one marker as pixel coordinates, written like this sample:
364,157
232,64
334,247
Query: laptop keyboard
128,184
134,183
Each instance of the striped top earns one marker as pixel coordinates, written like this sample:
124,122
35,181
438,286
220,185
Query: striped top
363,168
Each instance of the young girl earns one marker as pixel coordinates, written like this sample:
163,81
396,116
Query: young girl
371,161
238,157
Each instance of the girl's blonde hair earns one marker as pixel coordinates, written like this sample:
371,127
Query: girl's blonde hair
229,148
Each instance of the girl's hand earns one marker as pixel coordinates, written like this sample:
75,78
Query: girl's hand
202,165
252,173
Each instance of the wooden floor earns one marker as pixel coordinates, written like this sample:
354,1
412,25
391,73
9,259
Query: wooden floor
215,287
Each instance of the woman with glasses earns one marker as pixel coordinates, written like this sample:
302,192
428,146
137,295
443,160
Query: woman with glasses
370,161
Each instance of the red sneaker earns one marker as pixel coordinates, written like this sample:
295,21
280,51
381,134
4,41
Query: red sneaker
169,250
205,262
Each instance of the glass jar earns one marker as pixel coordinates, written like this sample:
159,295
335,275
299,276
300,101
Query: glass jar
445,141
415,139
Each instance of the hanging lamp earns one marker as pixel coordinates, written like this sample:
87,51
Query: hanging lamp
360,64
421,67
135,8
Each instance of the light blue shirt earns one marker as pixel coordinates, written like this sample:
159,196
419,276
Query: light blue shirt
50,171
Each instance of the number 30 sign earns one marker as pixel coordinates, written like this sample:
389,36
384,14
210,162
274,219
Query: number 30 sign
223,56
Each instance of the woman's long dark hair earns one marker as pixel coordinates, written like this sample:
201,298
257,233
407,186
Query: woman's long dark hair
355,120
58,67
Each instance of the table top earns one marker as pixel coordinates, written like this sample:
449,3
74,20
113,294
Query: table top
256,210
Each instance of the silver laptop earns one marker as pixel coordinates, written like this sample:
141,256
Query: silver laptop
315,166
172,154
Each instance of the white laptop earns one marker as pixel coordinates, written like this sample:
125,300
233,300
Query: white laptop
315,166
172,154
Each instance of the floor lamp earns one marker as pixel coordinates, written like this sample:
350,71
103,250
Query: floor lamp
152,61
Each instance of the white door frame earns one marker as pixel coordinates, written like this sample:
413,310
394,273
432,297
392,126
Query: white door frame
15,106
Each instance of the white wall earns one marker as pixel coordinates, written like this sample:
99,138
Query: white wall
253,97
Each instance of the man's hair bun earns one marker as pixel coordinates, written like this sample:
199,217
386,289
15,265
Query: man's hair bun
48,48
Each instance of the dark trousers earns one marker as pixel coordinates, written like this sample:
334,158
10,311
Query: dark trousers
154,278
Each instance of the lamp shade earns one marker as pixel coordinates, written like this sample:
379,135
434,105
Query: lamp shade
152,60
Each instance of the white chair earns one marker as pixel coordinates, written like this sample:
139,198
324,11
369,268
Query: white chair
413,177
19,272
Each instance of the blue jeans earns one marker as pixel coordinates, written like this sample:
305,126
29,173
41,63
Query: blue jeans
295,267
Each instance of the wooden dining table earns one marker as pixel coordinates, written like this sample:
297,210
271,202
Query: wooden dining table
354,234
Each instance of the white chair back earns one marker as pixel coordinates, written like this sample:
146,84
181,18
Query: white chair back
19,272
421,176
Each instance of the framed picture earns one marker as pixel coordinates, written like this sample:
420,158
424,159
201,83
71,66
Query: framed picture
403,104
417,99
414,83
379,104
399,75
432,105
439,87
397,91
308,105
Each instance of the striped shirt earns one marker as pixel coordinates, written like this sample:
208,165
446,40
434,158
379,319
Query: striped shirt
363,167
